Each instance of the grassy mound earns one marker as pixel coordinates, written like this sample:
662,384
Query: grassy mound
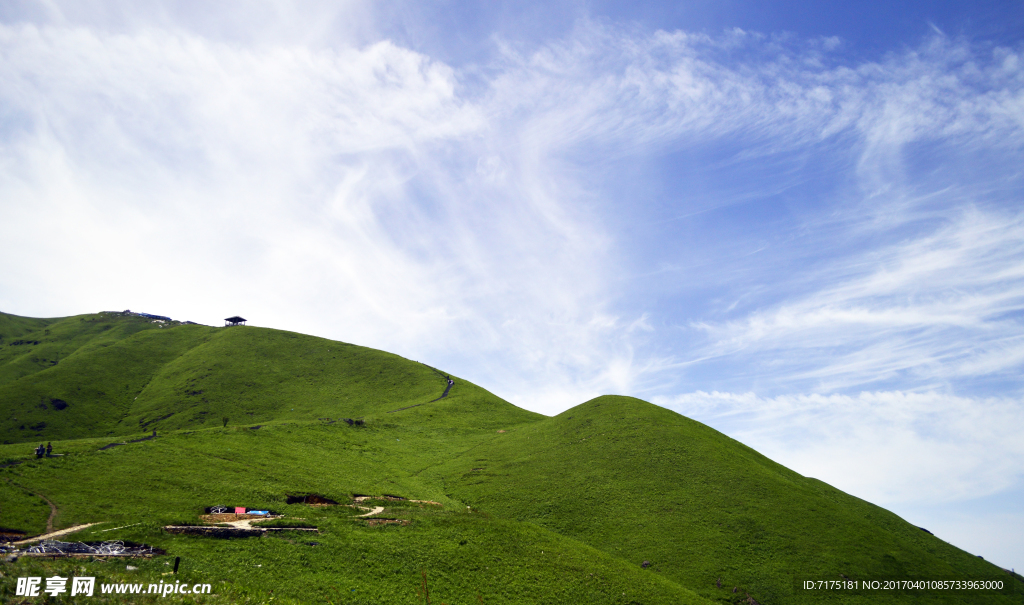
116,375
646,484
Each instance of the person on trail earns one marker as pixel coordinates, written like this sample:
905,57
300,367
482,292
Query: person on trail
49,449
40,451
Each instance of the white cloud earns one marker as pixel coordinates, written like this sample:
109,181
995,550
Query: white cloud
330,191
369,194
248,22
165,153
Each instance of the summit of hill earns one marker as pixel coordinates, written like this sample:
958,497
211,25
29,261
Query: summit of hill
117,374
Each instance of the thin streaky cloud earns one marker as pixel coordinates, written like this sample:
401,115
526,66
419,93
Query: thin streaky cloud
912,300
379,141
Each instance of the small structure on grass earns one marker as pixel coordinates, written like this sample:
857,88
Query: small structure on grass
234,321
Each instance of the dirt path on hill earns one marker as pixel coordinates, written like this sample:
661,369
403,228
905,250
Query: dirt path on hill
379,509
446,389
443,395
376,511
53,507
53,534
247,523
53,513
153,436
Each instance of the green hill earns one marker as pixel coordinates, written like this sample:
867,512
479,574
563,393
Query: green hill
110,374
526,508
644,483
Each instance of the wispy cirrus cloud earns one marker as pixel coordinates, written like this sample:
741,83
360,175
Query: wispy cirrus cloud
162,153
934,309
374,184
885,279
340,188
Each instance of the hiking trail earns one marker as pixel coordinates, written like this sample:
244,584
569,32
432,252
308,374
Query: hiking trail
443,395
53,534
53,507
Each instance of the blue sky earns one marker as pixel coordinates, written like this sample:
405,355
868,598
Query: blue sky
800,224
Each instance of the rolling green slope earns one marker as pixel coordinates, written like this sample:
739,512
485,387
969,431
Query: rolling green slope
29,345
109,374
644,483
530,509
467,556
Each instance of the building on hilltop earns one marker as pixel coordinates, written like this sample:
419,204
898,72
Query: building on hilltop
234,321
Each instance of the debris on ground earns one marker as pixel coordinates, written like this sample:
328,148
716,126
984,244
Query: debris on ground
109,548
236,510
11,535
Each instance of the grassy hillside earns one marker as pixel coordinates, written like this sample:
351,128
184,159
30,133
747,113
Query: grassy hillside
109,374
468,556
530,509
644,483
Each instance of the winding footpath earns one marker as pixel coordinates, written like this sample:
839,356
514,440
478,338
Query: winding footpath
446,389
53,534
53,507
443,395
376,511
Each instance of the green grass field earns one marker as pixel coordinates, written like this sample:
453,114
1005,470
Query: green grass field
530,509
